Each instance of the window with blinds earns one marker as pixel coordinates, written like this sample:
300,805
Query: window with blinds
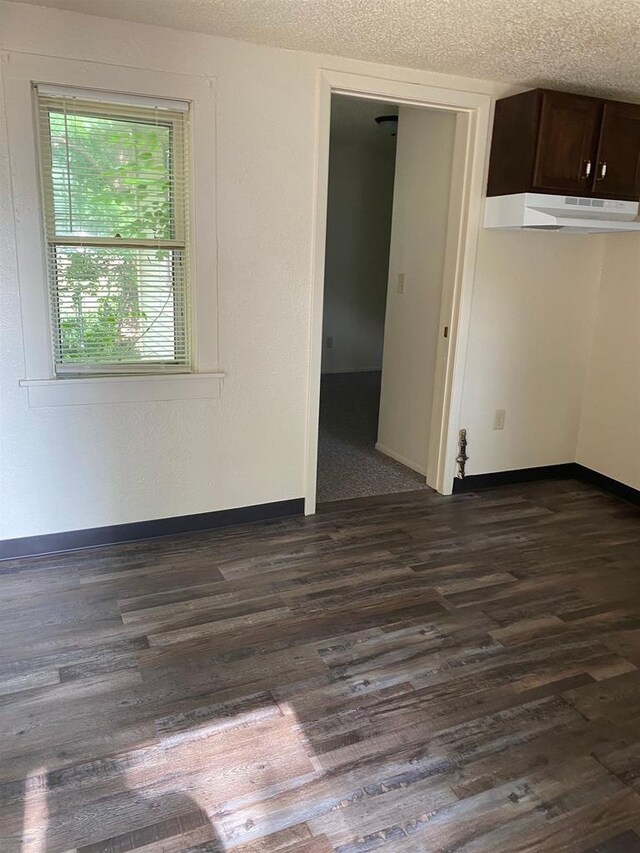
115,182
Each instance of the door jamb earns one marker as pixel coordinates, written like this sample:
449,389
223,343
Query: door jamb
470,147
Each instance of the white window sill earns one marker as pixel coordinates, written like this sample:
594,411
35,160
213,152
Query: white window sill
88,390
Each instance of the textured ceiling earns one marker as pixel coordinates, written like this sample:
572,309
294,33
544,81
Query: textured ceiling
584,45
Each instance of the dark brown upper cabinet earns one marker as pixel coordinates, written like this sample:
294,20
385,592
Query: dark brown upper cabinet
568,128
555,142
618,162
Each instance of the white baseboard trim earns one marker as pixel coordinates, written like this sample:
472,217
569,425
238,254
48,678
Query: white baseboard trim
353,370
402,459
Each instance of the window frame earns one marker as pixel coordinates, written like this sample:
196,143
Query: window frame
20,72
96,103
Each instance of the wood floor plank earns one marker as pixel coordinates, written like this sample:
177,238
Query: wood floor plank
403,673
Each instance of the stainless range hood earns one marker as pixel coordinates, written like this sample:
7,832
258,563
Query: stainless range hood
569,214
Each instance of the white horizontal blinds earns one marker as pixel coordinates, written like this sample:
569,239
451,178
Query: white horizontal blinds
115,184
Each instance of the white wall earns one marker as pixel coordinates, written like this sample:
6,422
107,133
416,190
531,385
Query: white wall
357,254
610,428
424,156
74,467
533,310
65,468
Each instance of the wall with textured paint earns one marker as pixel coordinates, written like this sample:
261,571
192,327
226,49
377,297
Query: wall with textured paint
357,254
533,310
609,439
66,468
73,467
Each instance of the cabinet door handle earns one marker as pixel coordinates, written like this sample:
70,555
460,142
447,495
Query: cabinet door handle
587,169
603,170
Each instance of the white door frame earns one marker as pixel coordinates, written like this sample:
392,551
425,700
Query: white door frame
472,131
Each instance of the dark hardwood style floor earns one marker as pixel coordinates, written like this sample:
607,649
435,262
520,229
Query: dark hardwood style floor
408,673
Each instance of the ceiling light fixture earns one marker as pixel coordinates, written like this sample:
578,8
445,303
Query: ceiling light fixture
388,123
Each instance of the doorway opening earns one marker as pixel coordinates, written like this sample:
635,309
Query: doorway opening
472,111
388,205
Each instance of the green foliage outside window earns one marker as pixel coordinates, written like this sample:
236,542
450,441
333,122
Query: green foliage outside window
111,178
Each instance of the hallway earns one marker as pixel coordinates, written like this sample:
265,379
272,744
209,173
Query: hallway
349,466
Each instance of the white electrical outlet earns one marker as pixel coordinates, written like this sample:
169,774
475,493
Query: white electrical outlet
329,342
498,418
400,282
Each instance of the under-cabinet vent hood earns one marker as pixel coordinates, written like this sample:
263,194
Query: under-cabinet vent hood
570,214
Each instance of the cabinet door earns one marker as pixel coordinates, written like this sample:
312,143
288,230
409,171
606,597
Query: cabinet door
617,169
567,140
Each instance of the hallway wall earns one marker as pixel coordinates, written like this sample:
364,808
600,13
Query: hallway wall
424,157
357,254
